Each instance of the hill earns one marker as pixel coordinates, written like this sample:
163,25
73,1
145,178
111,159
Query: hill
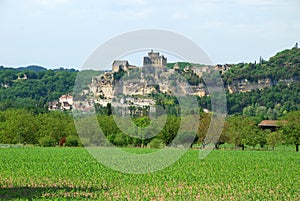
273,84
33,86
269,85
33,68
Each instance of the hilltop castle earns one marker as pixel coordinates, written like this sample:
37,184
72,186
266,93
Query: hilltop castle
128,86
154,59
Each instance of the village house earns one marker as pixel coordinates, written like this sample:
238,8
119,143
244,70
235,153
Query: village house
65,102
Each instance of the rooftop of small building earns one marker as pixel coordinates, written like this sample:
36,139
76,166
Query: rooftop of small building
271,123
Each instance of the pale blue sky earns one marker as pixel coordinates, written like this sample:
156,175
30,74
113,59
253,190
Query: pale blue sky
55,33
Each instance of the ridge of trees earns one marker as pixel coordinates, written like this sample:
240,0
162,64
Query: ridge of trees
33,93
284,65
20,126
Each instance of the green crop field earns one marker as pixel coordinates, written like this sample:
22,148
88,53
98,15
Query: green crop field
71,173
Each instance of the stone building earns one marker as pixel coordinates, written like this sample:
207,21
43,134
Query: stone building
120,64
65,102
102,86
154,59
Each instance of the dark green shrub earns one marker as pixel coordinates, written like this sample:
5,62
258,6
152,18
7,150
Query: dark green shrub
72,141
156,143
47,142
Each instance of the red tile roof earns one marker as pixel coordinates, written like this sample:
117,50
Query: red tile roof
274,123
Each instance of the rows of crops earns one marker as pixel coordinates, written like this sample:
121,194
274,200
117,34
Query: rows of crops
71,173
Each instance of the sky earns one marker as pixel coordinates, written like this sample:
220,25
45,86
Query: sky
63,33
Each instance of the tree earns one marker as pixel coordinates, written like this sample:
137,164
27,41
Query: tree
241,131
204,123
292,128
170,129
56,125
254,135
156,143
89,131
144,129
108,127
120,139
18,126
47,141
273,138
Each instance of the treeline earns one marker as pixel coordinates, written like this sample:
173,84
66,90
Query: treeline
282,69
243,131
270,103
19,126
32,90
284,65
285,96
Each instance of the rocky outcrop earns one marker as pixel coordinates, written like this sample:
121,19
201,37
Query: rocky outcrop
245,85
102,86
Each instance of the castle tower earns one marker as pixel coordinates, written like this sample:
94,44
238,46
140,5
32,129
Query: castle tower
154,59
120,64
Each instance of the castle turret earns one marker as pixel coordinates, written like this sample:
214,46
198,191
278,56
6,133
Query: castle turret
154,59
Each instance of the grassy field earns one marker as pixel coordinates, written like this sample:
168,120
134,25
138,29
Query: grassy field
71,173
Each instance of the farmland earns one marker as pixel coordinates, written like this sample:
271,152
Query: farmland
71,173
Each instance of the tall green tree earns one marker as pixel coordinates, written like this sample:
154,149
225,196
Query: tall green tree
241,131
273,138
56,125
18,126
292,128
170,129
